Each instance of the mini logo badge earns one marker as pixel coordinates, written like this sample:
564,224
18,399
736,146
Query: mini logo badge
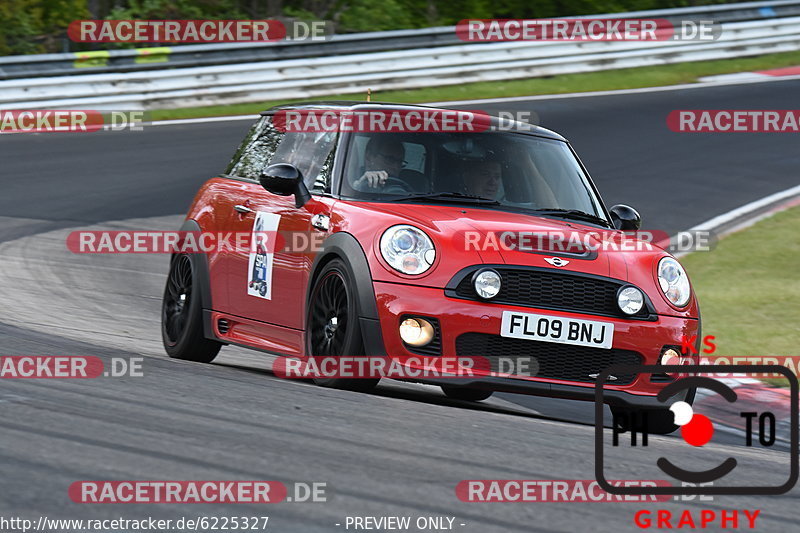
556,261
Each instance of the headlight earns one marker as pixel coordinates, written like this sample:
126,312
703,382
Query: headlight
407,249
673,281
630,300
486,283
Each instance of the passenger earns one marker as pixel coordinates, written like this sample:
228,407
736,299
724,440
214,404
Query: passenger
482,178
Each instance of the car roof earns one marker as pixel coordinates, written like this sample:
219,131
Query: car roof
343,105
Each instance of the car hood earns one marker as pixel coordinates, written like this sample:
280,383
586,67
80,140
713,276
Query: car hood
523,239
466,235
463,236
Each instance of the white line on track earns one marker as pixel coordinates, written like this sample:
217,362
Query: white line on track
683,87
746,215
743,211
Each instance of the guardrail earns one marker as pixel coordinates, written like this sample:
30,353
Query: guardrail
398,69
163,57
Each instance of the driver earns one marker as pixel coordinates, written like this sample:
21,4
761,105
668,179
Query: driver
482,178
383,159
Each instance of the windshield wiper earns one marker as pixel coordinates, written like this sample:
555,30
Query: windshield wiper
449,197
574,214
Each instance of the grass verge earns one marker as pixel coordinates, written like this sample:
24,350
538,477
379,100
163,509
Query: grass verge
631,78
749,289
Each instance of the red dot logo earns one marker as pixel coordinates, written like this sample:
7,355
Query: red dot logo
696,429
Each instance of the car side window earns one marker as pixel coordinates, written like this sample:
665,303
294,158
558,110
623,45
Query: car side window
412,168
256,151
312,153
561,175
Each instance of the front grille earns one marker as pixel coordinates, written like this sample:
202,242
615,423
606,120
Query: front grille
555,361
661,378
553,290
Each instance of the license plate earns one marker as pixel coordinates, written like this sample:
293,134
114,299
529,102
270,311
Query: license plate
556,329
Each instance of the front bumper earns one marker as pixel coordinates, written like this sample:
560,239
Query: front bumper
457,317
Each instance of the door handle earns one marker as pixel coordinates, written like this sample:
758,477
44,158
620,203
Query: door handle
243,209
322,222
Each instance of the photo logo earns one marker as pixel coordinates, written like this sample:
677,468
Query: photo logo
696,463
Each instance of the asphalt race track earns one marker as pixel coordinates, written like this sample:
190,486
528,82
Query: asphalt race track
398,451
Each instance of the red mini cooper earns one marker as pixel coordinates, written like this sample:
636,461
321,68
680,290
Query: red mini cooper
432,242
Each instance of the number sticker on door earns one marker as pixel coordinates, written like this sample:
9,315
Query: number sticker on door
259,265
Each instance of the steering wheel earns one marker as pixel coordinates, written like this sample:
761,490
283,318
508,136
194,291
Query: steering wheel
397,183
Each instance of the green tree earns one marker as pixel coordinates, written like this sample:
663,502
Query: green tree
36,26
373,15
19,27
177,9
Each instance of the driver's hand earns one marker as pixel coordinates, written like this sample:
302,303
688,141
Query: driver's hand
374,179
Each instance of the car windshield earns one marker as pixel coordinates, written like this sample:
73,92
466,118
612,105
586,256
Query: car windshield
500,170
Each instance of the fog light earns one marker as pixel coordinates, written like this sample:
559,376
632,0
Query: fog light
416,331
630,300
486,283
671,357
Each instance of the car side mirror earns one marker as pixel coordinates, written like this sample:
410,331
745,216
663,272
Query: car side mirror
285,179
625,217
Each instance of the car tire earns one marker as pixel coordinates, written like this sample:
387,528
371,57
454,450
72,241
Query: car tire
659,421
332,324
465,393
182,315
